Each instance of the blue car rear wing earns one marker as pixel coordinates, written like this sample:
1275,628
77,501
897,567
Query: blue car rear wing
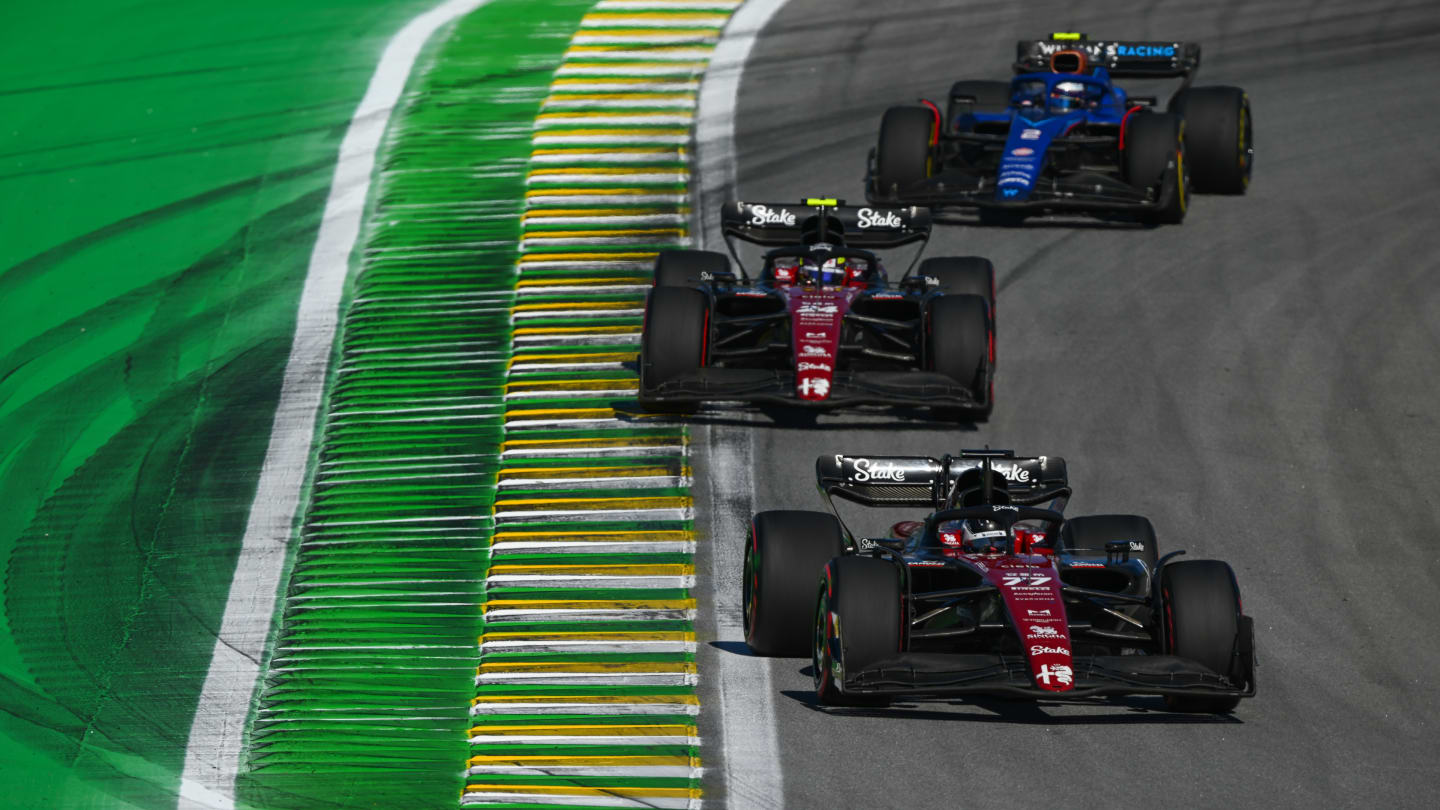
1124,59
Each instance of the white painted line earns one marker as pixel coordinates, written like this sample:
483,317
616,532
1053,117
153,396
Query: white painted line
602,197
601,140
506,615
583,770
607,482
752,769
582,739
215,744
645,802
589,678
619,103
645,38
673,54
586,451
587,158
611,177
678,85
665,5
702,21
679,69
639,121
539,705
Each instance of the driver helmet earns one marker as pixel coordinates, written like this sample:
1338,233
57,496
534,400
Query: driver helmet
983,536
823,268
1067,97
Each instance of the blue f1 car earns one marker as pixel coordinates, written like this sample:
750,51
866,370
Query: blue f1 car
1061,137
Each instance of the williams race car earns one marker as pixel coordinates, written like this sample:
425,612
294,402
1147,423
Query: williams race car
991,593
819,324
1061,137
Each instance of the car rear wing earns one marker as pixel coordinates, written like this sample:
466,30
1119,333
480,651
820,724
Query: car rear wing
782,224
922,481
1124,59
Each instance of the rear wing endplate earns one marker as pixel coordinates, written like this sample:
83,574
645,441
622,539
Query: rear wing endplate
1124,59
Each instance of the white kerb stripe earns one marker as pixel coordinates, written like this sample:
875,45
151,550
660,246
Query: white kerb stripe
750,747
212,755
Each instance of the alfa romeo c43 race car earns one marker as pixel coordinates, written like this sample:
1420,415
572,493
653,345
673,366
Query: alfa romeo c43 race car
990,593
820,323
1061,137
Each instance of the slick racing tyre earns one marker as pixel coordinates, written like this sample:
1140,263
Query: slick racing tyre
1219,138
672,342
902,158
1200,612
963,275
991,98
688,268
1090,533
858,621
784,554
961,348
1154,157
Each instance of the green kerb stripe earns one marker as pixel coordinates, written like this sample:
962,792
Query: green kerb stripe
366,695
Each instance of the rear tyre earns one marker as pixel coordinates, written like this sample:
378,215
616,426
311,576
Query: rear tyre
1219,138
688,268
963,275
902,158
784,555
858,621
961,349
1201,613
672,343
1092,532
1154,157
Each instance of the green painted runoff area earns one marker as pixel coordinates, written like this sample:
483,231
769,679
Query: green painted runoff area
163,167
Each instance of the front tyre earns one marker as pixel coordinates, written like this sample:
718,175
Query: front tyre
902,157
1154,158
1200,609
859,620
962,348
963,275
1219,138
784,555
672,343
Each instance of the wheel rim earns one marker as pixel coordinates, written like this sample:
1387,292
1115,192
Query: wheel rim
1247,143
818,657
750,588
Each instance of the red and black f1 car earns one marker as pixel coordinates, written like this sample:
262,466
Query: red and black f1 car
990,594
1062,137
820,324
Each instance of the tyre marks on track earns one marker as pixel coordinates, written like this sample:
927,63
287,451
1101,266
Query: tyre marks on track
585,691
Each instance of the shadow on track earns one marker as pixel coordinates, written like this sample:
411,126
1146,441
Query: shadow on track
1129,711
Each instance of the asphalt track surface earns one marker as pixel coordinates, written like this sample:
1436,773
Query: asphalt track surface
1260,381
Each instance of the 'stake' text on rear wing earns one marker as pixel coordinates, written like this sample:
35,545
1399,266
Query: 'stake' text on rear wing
922,481
784,224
